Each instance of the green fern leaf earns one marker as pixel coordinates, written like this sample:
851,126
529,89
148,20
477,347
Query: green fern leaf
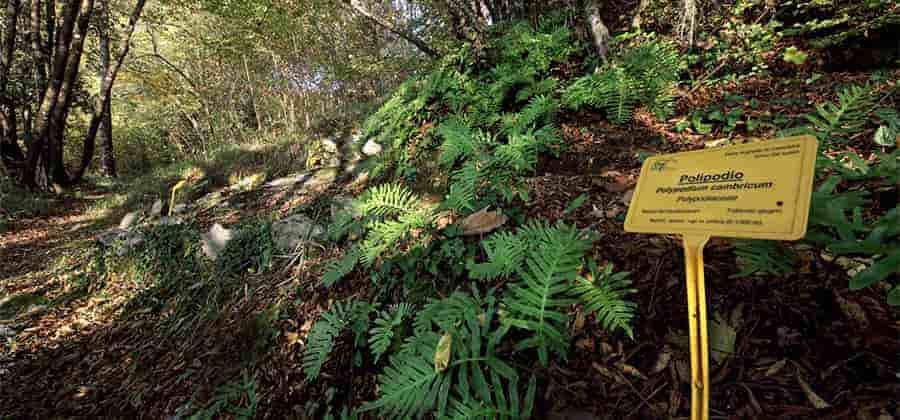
604,294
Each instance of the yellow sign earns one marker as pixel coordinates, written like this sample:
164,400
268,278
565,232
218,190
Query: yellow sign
759,190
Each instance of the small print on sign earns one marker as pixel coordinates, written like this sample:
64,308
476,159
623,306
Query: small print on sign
759,190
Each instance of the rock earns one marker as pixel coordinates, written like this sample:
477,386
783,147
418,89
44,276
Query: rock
156,209
6,331
341,204
215,241
290,232
371,148
129,220
121,240
179,208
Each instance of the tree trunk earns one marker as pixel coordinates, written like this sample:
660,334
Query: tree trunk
41,153
102,101
104,135
359,7
598,30
10,152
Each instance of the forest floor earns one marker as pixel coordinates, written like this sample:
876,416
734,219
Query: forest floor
795,346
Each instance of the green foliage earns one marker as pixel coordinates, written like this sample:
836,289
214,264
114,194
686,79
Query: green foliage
382,334
389,214
537,301
324,333
475,380
824,24
603,293
640,75
765,257
837,221
251,249
834,121
236,399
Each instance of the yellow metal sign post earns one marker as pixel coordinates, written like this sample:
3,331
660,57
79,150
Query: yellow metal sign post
759,190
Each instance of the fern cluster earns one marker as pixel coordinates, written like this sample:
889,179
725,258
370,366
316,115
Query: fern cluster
451,367
389,215
546,260
835,120
642,75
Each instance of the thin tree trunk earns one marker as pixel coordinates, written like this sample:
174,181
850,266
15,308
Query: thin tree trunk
103,98
10,152
598,29
107,154
359,7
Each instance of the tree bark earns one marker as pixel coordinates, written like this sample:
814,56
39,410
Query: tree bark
598,30
10,152
41,154
359,7
104,135
103,98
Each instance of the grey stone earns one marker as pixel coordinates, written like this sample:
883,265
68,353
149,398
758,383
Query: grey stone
122,241
6,331
341,204
156,209
129,220
371,148
290,232
170,221
216,240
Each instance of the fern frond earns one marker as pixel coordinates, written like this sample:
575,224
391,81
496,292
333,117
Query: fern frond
337,269
603,294
464,187
846,116
388,200
537,302
763,257
324,332
382,334
505,254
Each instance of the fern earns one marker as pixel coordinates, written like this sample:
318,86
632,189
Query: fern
382,334
603,293
767,257
834,120
536,303
324,332
505,253
337,269
464,188
412,385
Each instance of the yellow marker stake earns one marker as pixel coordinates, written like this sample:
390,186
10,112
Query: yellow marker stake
759,190
696,297
174,190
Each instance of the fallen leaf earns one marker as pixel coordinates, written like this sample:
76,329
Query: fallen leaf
442,353
614,187
853,311
663,359
813,398
626,198
483,221
721,338
613,212
630,370
585,344
578,324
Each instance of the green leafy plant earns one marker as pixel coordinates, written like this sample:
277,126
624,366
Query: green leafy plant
251,249
835,120
324,333
465,375
766,257
236,399
382,334
641,75
388,216
603,293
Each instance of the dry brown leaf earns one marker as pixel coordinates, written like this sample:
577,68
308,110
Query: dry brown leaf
483,221
578,324
776,367
662,361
